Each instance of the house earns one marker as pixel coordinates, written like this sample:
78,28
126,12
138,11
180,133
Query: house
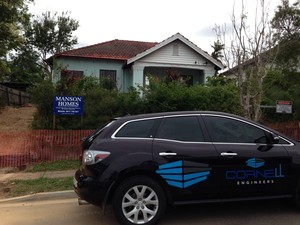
127,63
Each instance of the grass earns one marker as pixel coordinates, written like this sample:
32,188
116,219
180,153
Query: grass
25,187
43,184
53,166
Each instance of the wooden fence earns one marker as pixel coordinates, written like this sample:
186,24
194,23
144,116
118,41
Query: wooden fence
14,97
18,148
290,129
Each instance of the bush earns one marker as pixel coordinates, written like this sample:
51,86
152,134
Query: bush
176,96
42,96
102,104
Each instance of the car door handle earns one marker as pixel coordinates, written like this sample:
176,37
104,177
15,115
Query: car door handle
167,153
228,154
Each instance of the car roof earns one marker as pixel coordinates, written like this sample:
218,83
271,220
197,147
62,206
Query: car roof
163,114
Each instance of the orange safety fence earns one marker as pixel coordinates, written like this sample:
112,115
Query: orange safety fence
18,148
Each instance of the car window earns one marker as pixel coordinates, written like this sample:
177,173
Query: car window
184,128
139,129
234,131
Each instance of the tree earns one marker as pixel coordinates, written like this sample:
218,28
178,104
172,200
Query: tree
13,14
284,80
51,33
248,56
24,67
286,24
218,50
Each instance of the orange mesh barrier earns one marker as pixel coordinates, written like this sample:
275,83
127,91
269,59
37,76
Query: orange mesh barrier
19,148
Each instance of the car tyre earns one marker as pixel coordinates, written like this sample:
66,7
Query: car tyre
139,200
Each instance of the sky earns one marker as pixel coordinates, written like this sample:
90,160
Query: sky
151,21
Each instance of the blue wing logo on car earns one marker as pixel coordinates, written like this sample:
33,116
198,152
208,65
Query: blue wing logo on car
255,163
183,174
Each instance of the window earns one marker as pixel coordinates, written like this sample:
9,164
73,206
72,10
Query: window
233,131
71,75
137,129
185,128
108,78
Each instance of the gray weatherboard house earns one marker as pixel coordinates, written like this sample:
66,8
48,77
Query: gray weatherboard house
128,62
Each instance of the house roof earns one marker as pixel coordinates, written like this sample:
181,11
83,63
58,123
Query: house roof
129,51
115,49
177,36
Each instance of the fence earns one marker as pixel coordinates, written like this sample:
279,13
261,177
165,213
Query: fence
290,129
13,96
18,148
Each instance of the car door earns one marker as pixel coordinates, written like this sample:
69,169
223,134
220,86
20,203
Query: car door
186,161
252,163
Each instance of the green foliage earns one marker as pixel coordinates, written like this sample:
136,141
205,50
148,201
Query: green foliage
43,36
24,67
176,96
101,105
280,85
54,166
51,34
42,96
13,14
286,24
42,184
218,50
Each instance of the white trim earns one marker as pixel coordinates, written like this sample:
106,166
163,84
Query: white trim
252,124
113,136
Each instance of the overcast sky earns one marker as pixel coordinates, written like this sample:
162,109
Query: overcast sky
140,20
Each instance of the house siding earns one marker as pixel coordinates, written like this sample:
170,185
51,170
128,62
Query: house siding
90,67
185,56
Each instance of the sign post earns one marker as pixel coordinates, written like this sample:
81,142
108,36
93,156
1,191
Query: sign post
67,106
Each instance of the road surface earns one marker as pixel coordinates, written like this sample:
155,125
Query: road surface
68,212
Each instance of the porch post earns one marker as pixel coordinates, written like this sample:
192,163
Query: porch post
138,76
208,73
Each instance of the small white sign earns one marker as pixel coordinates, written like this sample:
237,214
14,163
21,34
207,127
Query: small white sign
284,107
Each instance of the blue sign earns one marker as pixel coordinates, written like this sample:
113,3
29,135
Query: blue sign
68,105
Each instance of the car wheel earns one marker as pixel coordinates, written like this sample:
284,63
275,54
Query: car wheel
139,200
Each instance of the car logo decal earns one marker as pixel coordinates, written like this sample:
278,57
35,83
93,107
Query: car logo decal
183,174
255,163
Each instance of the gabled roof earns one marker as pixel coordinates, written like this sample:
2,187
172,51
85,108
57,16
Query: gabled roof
175,37
115,49
129,51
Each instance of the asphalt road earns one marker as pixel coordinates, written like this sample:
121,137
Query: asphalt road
47,211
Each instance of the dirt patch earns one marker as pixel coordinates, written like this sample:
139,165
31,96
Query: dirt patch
16,118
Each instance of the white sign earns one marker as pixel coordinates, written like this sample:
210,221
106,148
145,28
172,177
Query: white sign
284,107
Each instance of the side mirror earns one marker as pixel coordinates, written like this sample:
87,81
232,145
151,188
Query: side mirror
274,138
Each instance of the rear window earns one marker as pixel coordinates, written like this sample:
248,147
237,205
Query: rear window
88,140
136,129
